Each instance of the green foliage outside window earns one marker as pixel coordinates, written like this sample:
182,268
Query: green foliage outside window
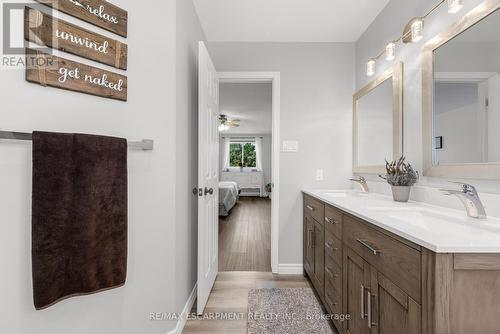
242,155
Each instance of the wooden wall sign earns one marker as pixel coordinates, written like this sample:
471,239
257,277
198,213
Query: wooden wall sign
43,29
98,12
48,70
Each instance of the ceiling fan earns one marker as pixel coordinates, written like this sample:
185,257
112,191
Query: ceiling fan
226,123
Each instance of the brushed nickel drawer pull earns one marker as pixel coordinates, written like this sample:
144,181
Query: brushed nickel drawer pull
369,309
310,208
362,301
329,271
364,243
330,221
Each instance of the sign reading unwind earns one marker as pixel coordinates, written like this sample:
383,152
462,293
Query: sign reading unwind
98,12
58,72
43,29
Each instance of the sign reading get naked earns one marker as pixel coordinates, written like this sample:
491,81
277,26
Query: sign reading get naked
98,12
48,70
43,29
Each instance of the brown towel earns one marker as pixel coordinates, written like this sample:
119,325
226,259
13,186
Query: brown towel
79,223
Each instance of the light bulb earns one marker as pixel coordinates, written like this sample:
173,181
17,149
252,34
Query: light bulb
226,127
370,67
454,6
222,127
390,51
417,30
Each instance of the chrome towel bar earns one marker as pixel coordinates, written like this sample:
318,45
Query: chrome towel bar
145,144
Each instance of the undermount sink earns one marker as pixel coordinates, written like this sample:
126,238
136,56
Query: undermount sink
342,194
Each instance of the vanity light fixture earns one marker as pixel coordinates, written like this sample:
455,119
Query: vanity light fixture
413,33
390,51
417,30
454,6
370,67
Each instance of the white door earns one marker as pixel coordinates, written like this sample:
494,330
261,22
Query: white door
208,177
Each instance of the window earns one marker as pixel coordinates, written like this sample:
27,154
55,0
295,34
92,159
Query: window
242,155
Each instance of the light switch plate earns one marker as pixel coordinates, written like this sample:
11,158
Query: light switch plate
319,175
290,146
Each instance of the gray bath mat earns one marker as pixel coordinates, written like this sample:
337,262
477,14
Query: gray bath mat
287,311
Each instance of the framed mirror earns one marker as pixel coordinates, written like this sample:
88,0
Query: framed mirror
461,97
378,122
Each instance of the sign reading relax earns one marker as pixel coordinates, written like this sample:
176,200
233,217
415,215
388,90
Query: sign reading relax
101,13
43,29
48,70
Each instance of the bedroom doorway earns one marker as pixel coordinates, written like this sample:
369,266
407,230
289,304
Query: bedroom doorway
248,171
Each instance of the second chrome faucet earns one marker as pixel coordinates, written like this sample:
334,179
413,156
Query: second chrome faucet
470,198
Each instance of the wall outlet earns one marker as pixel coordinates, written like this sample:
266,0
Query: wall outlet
319,175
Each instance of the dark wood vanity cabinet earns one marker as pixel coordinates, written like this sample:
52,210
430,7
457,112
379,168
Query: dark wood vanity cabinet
389,285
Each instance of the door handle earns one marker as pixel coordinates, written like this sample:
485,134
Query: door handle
369,310
209,191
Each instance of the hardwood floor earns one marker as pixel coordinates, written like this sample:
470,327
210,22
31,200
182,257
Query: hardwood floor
245,236
230,296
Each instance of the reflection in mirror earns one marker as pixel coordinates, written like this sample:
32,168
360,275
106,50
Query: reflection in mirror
378,122
466,115
375,129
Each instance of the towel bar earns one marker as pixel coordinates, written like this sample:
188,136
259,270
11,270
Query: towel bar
145,144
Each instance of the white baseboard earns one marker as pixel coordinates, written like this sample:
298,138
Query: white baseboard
185,311
290,269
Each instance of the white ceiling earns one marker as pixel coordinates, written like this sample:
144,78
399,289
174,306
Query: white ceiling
286,20
249,102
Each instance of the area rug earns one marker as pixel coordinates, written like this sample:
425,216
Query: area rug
285,311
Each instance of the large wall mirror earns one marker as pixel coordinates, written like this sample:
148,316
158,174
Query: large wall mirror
378,122
461,91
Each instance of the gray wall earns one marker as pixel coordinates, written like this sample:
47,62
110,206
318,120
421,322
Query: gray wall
162,225
316,88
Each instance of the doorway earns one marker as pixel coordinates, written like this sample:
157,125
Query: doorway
249,158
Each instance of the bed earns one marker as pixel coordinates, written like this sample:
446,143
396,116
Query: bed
228,196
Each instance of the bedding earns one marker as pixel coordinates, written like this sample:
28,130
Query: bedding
228,196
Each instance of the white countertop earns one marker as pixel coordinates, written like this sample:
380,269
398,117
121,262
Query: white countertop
438,229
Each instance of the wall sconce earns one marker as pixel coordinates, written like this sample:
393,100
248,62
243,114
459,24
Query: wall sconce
417,30
390,51
370,67
454,6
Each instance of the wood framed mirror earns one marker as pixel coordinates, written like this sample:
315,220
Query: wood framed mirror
378,122
461,97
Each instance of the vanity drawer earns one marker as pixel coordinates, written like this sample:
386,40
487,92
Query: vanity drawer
314,208
333,221
396,260
333,274
333,299
333,247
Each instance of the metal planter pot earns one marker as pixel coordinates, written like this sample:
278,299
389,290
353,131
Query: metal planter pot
401,193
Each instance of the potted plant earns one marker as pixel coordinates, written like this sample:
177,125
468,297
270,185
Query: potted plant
401,176
269,189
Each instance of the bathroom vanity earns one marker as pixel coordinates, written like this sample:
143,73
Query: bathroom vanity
401,268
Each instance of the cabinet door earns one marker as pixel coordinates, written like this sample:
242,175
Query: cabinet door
308,245
356,281
319,256
389,309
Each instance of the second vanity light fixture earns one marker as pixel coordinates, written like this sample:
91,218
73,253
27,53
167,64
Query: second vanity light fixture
413,33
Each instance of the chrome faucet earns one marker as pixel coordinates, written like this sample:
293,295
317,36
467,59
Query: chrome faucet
470,198
362,183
